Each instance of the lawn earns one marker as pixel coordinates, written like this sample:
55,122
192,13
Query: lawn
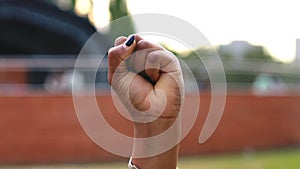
277,159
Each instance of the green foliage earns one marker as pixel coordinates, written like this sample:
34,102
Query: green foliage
118,9
245,78
124,26
257,54
200,52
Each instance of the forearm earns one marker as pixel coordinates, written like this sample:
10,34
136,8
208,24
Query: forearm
166,160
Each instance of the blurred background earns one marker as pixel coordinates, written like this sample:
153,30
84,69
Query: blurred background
257,41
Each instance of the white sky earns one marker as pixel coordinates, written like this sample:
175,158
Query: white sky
273,24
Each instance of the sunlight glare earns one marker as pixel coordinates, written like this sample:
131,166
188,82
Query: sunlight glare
83,7
271,24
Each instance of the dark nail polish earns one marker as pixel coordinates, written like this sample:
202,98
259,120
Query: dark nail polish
130,41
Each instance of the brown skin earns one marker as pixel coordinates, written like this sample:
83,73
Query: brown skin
163,74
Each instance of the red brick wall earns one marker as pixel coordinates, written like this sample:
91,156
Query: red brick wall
18,77
43,129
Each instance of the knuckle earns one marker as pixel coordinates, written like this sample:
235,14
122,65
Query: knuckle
162,56
113,52
120,40
143,44
154,57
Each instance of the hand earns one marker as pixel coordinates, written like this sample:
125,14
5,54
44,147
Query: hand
148,80
144,75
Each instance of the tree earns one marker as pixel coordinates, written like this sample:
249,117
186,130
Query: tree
124,26
258,53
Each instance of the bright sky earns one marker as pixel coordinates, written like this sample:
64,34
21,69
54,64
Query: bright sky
273,24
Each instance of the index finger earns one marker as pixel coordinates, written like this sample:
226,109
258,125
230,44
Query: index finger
117,55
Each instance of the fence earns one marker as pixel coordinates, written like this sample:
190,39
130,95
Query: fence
39,71
39,126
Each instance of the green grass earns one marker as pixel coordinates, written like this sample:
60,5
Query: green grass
278,159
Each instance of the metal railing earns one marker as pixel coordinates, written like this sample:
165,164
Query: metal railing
61,67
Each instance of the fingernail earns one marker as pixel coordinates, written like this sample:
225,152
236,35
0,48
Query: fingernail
129,41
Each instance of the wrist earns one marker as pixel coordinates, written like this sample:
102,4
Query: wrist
156,127
157,137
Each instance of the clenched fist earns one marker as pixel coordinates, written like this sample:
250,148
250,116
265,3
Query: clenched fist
148,80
